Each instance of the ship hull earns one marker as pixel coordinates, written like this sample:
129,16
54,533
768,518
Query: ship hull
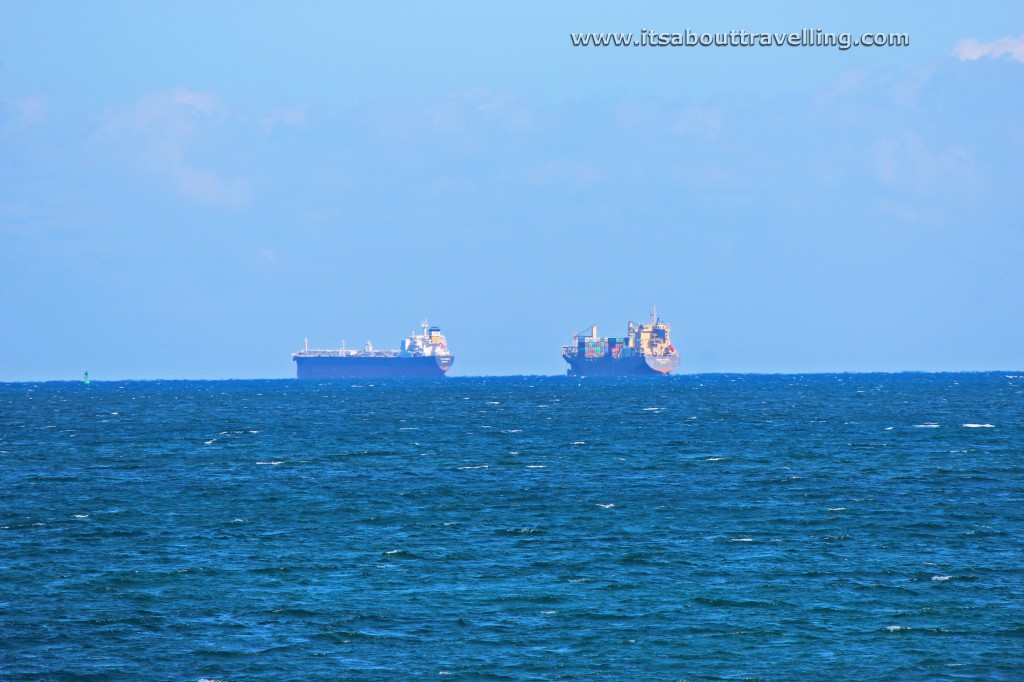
636,365
371,368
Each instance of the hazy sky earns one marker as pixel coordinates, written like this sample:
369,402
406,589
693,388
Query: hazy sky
187,190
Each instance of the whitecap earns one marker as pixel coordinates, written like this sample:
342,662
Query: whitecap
210,442
713,459
494,402
837,508
81,516
277,462
393,551
896,628
652,409
979,426
928,425
579,442
741,540
888,428
941,578
536,466
606,506
481,466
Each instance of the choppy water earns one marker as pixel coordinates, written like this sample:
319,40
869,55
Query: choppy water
709,527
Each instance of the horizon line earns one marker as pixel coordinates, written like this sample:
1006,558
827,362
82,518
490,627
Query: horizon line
505,376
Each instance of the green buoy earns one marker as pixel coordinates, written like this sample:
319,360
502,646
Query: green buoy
86,376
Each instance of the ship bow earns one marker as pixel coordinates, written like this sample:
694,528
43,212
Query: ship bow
662,363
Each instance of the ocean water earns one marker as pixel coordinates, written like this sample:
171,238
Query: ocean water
866,526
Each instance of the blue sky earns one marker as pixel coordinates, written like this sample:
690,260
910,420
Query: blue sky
187,191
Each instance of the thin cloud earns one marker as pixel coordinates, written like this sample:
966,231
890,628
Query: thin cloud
704,122
464,114
970,49
908,163
701,121
170,115
205,102
269,257
565,172
20,113
484,99
157,130
291,117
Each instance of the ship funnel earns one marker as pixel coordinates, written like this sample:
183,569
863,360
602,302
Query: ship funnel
593,331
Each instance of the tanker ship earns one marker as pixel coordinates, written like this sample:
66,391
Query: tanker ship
421,355
646,349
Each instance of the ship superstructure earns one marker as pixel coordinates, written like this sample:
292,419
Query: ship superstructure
421,355
646,349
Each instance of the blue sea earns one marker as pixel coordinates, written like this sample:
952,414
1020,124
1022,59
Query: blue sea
705,527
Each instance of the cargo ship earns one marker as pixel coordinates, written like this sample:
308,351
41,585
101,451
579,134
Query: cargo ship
421,355
646,349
